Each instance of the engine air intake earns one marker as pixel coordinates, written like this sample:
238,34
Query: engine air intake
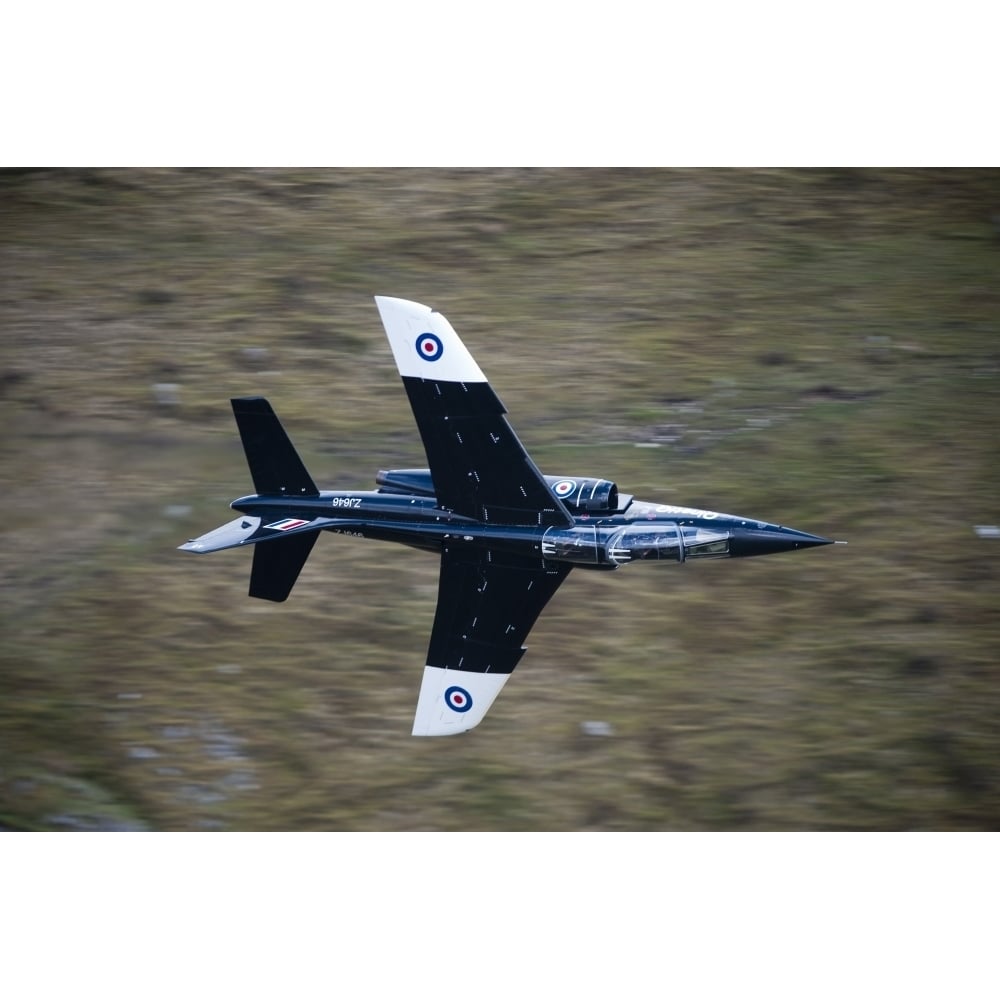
584,494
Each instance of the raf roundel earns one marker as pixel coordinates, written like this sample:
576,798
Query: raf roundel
564,488
458,699
429,347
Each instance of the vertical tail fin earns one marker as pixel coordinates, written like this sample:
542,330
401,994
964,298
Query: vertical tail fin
276,469
274,464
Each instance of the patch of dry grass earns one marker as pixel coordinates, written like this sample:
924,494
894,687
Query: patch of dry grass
817,348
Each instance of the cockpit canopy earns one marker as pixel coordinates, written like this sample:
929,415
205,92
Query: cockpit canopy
610,545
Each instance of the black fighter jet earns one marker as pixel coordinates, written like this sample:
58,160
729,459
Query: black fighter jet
507,536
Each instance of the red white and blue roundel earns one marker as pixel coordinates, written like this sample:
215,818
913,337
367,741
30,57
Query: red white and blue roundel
564,488
458,699
429,347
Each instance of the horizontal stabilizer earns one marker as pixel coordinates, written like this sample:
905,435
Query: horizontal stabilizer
277,567
248,530
226,537
275,465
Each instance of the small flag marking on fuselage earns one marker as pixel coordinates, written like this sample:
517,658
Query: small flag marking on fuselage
286,524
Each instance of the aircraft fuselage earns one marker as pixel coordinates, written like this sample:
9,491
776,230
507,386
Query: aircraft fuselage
637,531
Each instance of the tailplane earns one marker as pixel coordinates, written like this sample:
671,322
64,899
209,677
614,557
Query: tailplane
277,471
274,463
281,549
276,468
276,567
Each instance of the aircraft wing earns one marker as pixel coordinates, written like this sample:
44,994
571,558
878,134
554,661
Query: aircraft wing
479,467
487,604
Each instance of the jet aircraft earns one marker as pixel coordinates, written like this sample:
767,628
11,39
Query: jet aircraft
507,536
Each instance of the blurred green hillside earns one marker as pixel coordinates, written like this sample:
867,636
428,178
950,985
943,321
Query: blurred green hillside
818,348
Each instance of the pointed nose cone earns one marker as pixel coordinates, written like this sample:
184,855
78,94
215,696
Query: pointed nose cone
769,538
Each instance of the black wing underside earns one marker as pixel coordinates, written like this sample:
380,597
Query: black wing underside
487,604
276,566
479,467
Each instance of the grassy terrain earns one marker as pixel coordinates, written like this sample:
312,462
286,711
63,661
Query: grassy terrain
810,347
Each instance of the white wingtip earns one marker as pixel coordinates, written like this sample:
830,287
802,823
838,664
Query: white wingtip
454,701
424,343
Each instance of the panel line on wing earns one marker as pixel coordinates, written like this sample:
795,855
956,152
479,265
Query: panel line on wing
478,632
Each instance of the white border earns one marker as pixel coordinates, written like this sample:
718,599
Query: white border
395,84
260,915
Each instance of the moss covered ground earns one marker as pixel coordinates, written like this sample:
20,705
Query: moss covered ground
818,348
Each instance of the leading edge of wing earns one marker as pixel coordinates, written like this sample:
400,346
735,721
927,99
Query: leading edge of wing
487,605
479,466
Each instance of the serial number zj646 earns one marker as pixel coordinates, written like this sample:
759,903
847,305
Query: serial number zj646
346,502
